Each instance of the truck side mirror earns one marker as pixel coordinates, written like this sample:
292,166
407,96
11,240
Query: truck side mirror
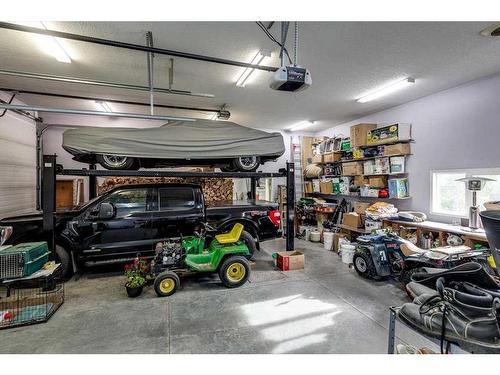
106,211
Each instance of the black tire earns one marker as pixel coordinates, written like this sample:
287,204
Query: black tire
363,264
250,241
407,274
246,163
235,264
62,256
166,283
122,162
228,168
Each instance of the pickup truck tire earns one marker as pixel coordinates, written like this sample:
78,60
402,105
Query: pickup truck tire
62,256
234,271
251,243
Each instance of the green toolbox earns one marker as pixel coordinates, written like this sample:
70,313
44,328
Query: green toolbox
23,259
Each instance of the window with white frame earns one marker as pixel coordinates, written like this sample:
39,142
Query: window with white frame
450,197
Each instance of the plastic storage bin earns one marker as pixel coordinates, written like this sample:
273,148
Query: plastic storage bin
23,259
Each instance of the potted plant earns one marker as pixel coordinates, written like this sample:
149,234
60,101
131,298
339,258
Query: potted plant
136,276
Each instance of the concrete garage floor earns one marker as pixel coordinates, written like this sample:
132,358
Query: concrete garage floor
325,308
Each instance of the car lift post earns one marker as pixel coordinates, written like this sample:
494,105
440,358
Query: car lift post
253,188
290,206
92,183
49,197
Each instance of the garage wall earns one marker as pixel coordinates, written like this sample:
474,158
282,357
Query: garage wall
17,163
456,128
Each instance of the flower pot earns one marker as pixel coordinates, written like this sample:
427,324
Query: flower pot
133,292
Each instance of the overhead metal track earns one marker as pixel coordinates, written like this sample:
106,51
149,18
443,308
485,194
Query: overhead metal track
131,46
92,113
84,81
128,102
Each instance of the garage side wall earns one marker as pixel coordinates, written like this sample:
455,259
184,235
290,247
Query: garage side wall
17,164
453,129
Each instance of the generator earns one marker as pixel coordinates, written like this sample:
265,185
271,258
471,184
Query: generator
23,259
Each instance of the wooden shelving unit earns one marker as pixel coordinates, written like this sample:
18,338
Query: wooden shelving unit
440,230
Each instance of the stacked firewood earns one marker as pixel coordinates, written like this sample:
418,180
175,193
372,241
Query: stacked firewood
214,189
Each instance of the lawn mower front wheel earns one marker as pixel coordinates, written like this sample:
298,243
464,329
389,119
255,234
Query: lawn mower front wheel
234,271
166,283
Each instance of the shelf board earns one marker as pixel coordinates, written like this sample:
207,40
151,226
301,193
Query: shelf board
336,196
362,159
354,175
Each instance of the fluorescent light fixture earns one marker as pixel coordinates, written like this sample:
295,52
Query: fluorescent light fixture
301,125
105,106
51,45
247,72
386,90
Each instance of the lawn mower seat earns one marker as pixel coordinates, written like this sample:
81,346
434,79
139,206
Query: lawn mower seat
232,236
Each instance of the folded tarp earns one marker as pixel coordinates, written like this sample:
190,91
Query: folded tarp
201,139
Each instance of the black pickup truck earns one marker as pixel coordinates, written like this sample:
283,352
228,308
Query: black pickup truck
131,219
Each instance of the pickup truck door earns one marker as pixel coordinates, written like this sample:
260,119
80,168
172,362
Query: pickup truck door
124,235
179,210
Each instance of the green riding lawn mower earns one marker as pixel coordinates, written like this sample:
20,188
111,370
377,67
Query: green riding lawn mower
226,254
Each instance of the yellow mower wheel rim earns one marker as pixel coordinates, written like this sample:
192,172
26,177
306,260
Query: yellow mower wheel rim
236,272
167,285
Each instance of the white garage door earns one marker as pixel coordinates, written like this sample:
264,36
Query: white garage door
17,165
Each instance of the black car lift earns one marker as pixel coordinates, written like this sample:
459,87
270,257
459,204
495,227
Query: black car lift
50,170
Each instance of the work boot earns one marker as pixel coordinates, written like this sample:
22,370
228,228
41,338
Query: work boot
470,272
419,291
456,316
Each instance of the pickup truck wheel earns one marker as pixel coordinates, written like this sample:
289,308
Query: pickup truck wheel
246,163
62,256
251,243
114,162
234,271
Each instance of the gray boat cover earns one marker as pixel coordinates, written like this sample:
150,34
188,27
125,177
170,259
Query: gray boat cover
201,139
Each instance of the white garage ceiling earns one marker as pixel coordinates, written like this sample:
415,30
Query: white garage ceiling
346,60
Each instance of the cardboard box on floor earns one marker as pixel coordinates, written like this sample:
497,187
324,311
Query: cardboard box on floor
336,239
290,260
359,134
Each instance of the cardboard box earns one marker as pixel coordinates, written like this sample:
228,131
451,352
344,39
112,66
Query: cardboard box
360,207
378,181
352,169
326,187
352,219
388,134
290,260
331,157
360,180
359,134
336,239
397,164
397,149
369,166
317,159
307,154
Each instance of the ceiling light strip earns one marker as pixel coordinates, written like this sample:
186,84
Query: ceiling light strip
386,90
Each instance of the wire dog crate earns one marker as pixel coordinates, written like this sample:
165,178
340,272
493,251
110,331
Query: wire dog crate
24,304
